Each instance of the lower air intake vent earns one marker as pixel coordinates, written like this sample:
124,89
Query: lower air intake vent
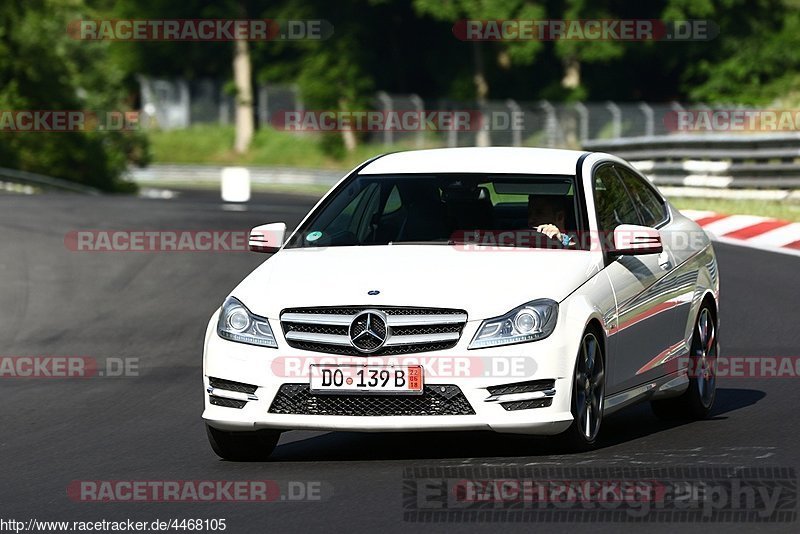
527,405
522,387
227,403
230,385
435,400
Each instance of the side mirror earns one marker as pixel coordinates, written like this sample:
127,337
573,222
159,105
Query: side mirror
267,237
633,240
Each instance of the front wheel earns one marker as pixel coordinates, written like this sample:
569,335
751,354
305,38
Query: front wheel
243,446
696,402
588,395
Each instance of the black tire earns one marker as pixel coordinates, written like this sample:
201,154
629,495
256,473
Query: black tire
252,446
588,395
698,400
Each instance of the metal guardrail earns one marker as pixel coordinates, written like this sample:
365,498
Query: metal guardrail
714,161
188,174
40,180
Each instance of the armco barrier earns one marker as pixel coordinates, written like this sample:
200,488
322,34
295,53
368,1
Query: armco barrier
715,161
13,176
188,174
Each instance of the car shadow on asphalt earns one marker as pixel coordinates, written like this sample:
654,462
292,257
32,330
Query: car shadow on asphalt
625,426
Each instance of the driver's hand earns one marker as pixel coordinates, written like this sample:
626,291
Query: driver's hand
550,230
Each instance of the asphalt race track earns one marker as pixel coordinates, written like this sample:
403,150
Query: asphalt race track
154,307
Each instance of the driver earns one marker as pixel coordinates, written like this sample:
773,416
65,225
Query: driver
546,214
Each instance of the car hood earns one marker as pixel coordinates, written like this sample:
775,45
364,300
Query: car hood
484,282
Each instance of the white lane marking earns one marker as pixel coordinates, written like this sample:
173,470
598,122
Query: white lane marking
147,192
233,207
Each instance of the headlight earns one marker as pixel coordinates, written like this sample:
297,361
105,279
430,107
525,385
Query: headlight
236,323
530,322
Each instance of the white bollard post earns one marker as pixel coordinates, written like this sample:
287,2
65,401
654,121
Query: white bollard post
235,184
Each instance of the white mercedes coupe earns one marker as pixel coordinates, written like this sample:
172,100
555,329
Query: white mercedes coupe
518,290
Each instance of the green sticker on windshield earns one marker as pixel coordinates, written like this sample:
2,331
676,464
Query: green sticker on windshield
313,236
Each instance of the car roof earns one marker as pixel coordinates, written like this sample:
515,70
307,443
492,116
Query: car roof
500,160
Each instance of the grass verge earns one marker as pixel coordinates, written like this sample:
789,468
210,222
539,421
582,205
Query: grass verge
214,145
787,211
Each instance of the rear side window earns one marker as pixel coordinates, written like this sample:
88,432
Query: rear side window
650,206
614,205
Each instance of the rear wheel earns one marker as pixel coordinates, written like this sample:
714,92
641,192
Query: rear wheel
588,395
697,401
243,446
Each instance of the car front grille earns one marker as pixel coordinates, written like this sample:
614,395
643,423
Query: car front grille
435,400
408,330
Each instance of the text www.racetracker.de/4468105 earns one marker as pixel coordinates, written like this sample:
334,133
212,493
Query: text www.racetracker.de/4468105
104,525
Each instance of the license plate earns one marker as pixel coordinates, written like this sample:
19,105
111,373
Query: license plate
396,379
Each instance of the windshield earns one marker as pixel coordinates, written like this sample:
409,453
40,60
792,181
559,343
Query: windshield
442,209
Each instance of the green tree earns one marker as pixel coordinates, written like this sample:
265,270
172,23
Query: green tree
755,59
193,60
43,68
332,74
507,53
573,53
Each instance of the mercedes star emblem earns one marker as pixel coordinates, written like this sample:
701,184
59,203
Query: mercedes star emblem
368,331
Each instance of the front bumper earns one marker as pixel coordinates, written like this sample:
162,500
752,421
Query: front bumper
472,371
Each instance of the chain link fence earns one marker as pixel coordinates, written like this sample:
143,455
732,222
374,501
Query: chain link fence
176,104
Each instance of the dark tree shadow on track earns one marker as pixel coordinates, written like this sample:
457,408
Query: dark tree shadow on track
625,426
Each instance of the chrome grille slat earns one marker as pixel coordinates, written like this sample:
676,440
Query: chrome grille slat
311,337
410,329
422,338
318,318
418,320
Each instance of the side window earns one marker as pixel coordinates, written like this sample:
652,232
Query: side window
614,206
650,206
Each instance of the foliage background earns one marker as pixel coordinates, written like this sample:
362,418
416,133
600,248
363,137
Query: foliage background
397,46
